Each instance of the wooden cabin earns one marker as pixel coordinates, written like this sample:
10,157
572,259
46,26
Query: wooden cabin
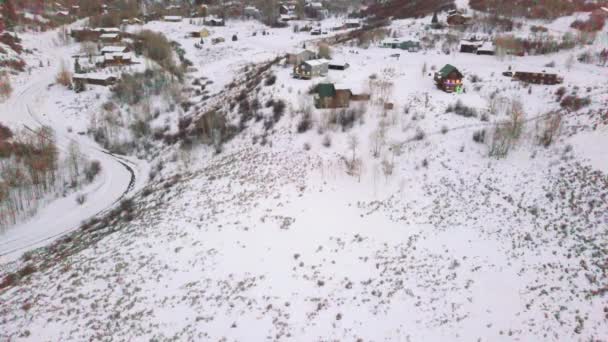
537,77
329,95
95,79
310,69
449,78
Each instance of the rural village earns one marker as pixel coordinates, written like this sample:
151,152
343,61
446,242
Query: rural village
302,170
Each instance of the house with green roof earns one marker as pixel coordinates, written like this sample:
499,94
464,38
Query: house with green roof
449,78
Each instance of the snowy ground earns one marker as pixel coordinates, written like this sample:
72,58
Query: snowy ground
277,242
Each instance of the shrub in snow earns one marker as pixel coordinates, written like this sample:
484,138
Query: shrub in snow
270,80
560,92
64,76
474,78
326,142
460,109
479,136
574,103
92,170
278,109
420,135
305,122
80,199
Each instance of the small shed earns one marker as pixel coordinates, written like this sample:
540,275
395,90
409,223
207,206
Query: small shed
338,65
449,78
214,21
204,33
470,46
311,68
300,56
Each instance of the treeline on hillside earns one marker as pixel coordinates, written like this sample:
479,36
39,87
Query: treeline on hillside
400,9
30,170
537,9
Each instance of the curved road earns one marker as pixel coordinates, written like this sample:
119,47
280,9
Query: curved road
119,175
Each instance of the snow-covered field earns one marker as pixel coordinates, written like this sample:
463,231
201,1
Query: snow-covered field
276,241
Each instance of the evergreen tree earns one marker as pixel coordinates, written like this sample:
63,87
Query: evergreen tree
435,20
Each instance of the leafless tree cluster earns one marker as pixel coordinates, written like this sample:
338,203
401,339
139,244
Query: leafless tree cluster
507,133
31,169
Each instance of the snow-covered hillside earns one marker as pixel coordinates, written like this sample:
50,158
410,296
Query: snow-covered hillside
379,223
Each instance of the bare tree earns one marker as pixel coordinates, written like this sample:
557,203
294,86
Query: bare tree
569,62
74,160
324,51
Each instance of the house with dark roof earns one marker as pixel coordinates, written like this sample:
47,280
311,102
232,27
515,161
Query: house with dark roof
329,95
449,78
537,77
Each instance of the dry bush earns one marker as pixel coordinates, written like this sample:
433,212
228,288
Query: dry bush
324,51
5,87
549,129
507,133
64,76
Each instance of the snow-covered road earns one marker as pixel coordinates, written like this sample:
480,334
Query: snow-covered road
29,108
